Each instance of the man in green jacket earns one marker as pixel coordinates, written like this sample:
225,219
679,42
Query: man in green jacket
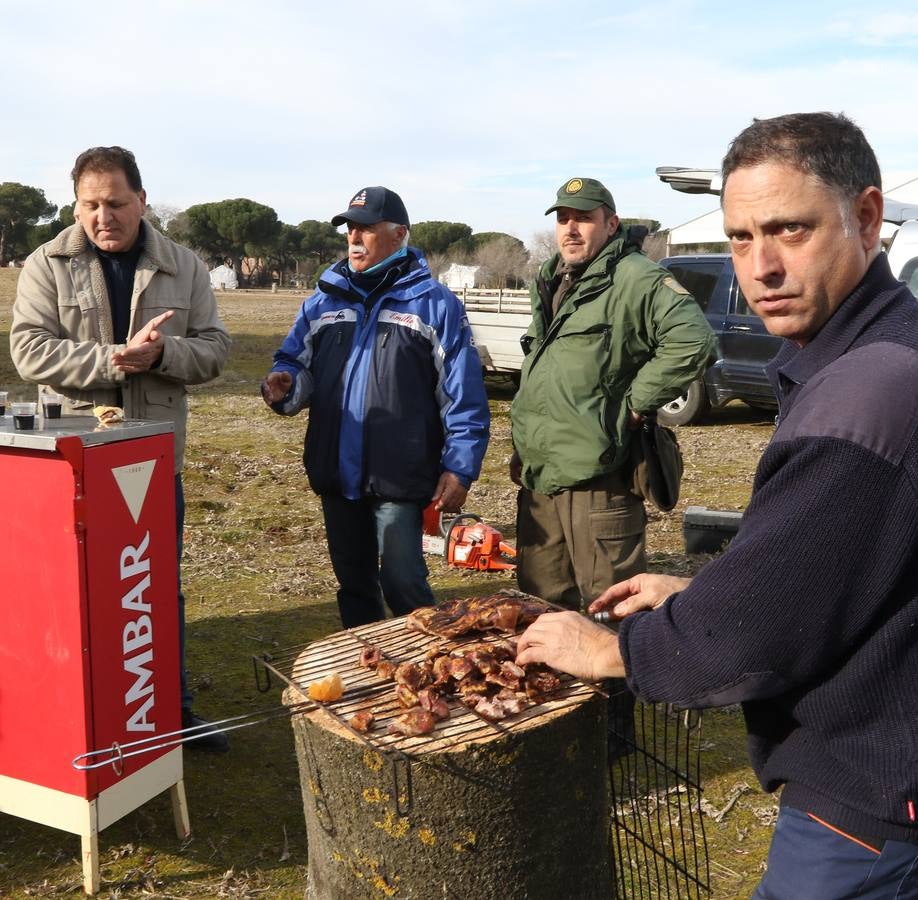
613,337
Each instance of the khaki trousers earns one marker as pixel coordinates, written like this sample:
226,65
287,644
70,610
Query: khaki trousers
574,544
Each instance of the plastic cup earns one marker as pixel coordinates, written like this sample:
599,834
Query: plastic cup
24,416
51,405
3,396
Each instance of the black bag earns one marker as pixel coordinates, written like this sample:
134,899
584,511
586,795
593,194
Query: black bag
659,466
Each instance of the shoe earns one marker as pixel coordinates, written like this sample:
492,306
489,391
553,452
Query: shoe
203,738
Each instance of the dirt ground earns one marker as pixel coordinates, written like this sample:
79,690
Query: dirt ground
258,580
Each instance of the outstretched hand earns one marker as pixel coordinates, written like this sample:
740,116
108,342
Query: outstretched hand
276,386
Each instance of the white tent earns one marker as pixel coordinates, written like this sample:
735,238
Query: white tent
705,229
224,278
457,277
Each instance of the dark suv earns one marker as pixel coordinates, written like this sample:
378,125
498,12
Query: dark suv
744,346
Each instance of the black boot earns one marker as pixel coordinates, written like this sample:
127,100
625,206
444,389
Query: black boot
203,738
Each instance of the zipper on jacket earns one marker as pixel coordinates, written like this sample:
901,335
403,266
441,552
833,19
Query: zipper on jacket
607,339
386,337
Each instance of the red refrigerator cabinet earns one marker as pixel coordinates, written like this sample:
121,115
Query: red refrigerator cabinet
89,654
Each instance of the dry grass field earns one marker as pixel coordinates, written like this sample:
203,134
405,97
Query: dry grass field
257,579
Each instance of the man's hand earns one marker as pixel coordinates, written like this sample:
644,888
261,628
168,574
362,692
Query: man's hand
516,469
571,643
276,386
644,591
143,350
635,420
450,494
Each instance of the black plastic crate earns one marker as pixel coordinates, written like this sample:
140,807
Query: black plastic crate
709,530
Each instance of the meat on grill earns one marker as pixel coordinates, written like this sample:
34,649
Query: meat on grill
460,667
416,721
540,681
362,721
414,675
442,670
490,707
385,670
431,700
483,676
499,612
406,696
509,675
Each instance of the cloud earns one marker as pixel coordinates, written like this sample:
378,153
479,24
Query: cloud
475,111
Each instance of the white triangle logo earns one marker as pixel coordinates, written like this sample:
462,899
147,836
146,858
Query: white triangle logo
134,481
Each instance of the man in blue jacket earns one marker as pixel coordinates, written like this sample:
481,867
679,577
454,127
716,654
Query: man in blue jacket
382,356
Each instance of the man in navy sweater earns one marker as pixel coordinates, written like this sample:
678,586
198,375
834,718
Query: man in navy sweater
810,617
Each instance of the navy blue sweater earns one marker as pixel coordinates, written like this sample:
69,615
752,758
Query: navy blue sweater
810,617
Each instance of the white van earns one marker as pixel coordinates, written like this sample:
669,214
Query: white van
902,250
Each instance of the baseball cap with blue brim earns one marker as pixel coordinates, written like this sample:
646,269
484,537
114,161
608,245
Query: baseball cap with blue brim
374,204
582,193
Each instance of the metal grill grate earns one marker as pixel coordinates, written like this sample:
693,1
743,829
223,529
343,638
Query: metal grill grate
659,842
364,690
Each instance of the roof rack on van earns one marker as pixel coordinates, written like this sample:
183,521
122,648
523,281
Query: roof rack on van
707,181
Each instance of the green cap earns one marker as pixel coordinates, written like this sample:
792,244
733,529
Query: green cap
582,193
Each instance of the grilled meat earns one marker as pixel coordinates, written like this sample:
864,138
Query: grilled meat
416,721
412,675
362,721
454,618
483,675
385,670
430,699
406,696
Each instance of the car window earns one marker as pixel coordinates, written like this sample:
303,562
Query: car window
698,278
909,275
742,307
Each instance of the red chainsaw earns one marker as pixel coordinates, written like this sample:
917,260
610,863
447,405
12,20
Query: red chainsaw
467,542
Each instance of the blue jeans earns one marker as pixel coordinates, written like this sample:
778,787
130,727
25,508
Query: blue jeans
809,861
179,544
375,549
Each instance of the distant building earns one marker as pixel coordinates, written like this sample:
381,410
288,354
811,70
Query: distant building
457,277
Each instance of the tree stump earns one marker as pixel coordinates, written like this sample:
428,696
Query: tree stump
523,814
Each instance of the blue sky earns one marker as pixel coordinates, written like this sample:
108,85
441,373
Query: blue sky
473,111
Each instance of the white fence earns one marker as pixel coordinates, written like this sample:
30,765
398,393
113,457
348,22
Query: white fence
501,301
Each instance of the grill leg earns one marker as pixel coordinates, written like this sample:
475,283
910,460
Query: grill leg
180,809
90,841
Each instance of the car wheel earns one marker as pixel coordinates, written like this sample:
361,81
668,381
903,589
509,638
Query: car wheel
687,408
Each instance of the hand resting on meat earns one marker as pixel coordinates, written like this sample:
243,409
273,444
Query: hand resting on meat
571,643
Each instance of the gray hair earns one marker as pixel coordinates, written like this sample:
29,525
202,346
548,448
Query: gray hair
395,225
827,145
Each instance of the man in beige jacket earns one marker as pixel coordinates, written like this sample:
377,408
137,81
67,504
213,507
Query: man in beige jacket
111,312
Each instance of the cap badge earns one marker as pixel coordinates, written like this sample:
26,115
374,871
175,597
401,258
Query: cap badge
359,199
574,185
